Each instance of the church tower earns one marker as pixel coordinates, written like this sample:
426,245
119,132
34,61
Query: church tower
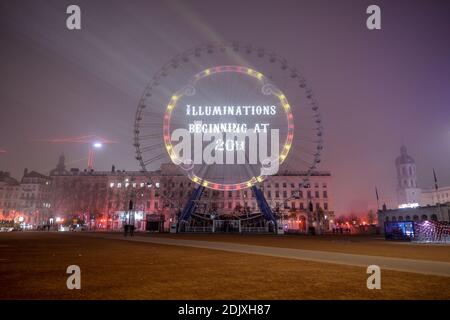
407,189
60,167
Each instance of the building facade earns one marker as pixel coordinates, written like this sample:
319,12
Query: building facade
427,213
408,189
27,201
101,199
35,193
9,196
433,196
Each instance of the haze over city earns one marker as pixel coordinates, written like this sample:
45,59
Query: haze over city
376,91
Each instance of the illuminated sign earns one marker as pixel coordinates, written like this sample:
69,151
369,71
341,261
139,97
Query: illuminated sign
408,205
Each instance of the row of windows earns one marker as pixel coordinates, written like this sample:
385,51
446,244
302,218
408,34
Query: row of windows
133,185
127,184
293,185
298,194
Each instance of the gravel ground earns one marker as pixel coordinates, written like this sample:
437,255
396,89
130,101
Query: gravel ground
33,266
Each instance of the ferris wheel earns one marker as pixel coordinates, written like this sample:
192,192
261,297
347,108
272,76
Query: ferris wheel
228,76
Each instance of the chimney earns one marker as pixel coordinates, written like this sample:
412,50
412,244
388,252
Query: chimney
25,172
113,168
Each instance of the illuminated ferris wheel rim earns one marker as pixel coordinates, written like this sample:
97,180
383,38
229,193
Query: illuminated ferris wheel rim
236,47
190,88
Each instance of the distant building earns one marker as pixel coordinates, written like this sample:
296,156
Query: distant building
415,204
9,196
431,196
408,191
27,200
35,189
433,213
102,197
60,167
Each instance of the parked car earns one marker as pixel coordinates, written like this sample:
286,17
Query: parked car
79,228
64,228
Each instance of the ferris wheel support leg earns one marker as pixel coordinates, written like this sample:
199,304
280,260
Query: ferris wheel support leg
264,206
190,206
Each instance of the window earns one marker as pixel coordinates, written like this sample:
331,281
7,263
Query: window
302,206
309,194
292,185
277,185
325,206
293,205
317,194
317,206
325,194
324,185
284,185
277,194
284,194
300,194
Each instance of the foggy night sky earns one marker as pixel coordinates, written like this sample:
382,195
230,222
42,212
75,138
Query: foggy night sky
376,89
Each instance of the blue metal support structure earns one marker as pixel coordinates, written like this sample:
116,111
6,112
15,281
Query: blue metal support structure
263,205
191,205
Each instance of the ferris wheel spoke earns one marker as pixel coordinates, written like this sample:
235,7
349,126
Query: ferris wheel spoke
155,158
152,147
150,136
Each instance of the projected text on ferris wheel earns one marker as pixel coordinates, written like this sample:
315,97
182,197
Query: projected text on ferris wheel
237,118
